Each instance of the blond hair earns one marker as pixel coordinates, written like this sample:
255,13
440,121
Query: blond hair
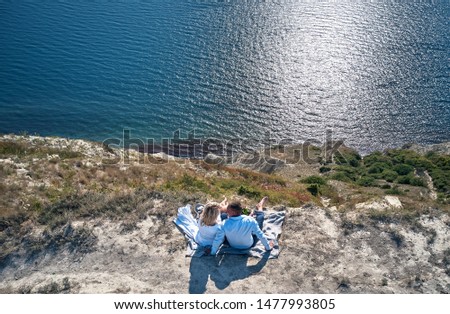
210,214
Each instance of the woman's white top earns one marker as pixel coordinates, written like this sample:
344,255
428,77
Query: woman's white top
206,234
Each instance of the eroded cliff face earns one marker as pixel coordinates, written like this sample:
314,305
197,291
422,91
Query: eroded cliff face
71,225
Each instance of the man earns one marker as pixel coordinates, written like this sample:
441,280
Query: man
242,231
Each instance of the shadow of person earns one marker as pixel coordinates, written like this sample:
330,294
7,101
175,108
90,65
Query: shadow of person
222,270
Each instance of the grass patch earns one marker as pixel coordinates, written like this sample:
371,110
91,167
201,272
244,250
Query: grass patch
188,183
12,148
242,182
394,191
20,149
314,180
248,191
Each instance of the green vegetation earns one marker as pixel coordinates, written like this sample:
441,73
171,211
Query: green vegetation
318,186
411,180
50,194
314,184
248,191
324,169
395,166
314,180
248,184
394,191
389,175
14,148
347,156
71,186
403,169
366,181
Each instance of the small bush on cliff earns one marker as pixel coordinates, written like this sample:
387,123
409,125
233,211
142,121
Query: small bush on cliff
366,181
403,169
248,191
314,180
389,175
347,157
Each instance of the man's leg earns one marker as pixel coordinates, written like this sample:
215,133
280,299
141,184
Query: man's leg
258,214
259,217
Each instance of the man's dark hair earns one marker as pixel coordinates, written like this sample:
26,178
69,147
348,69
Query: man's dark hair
236,206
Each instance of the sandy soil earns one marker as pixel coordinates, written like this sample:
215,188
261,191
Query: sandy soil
318,255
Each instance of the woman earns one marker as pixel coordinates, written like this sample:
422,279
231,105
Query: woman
208,224
203,230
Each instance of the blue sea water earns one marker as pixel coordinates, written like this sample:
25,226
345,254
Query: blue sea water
375,73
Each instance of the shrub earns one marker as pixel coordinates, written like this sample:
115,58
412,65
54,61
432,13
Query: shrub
314,180
341,176
376,157
416,181
313,189
354,162
324,169
441,180
389,175
378,167
375,175
248,191
418,162
403,169
351,173
440,161
192,183
347,157
394,191
411,180
366,181
404,179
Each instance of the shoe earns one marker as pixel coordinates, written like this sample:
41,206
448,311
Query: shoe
199,209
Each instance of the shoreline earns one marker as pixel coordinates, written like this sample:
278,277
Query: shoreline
193,150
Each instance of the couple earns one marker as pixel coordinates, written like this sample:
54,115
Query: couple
225,220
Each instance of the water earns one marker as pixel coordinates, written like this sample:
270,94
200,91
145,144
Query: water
375,73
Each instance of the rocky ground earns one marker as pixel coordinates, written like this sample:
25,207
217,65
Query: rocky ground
117,236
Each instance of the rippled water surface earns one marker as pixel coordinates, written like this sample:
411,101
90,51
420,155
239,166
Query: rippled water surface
376,73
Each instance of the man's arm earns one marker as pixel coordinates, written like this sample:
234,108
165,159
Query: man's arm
218,240
258,232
